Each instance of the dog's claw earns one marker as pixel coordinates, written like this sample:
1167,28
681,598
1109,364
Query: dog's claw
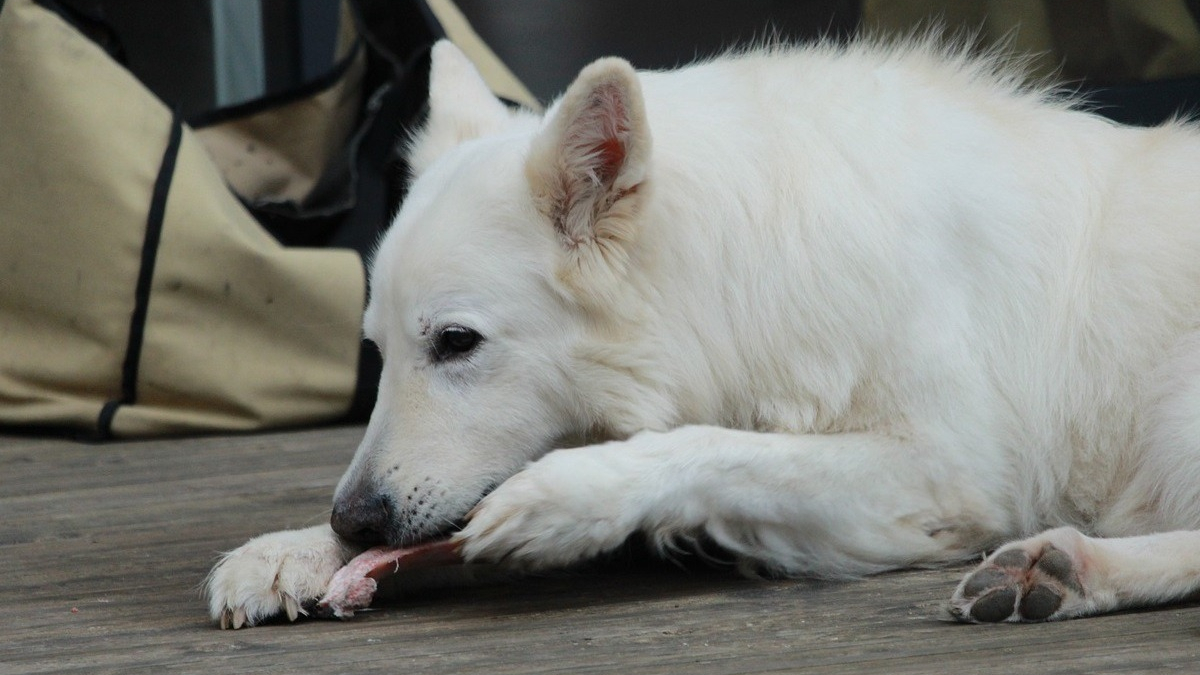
239,617
234,619
291,607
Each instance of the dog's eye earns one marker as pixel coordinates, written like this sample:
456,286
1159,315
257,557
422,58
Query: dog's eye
454,342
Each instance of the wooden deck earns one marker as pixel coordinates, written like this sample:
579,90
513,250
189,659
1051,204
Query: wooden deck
103,549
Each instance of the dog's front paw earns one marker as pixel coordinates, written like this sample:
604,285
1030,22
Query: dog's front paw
277,573
567,507
1038,579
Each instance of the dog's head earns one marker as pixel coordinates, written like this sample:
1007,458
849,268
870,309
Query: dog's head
492,297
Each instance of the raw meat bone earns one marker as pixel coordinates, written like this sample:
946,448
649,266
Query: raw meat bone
354,585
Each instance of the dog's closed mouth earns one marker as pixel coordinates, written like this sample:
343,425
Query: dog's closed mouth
353,586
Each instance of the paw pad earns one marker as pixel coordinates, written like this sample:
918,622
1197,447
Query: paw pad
1015,586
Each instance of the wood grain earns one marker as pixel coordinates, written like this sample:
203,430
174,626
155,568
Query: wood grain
103,549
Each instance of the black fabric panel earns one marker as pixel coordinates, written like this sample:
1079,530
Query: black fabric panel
381,171
137,322
397,28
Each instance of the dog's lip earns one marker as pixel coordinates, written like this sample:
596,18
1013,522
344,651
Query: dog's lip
489,489
462,522
399,536
397,539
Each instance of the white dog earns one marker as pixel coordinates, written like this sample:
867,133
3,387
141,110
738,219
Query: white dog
838,309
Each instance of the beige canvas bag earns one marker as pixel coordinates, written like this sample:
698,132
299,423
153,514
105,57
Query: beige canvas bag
138,295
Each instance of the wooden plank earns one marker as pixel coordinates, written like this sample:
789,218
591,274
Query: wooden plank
103,549
26,471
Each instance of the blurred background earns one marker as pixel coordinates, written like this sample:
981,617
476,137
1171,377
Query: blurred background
200,54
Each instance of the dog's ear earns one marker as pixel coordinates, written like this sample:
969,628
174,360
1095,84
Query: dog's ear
587,165
461,107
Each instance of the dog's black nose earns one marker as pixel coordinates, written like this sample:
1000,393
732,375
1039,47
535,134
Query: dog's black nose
362,519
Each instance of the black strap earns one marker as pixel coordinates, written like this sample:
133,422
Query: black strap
137,322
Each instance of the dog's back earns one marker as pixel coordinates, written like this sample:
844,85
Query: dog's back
922,238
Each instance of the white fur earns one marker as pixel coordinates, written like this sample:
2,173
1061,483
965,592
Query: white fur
841,309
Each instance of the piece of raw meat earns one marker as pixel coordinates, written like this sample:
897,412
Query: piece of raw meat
354,585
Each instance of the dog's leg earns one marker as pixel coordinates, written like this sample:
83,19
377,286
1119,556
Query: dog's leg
276,573
835,505
1062,574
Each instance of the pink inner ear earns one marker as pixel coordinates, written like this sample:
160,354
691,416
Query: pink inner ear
593,153
611,152
601,132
